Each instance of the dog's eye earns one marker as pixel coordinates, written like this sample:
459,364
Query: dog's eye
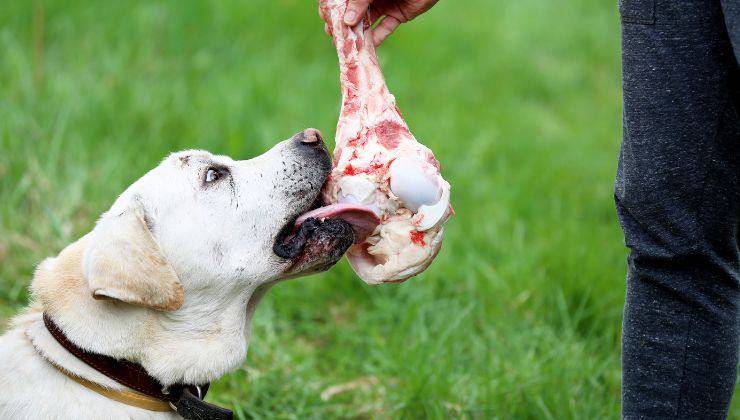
213,175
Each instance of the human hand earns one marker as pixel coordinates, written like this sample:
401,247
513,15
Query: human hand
390,13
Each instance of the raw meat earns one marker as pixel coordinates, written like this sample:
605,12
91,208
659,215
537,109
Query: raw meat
379,164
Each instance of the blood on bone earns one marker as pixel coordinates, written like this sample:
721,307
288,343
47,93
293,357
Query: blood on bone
417,237
375,168
350,107
372,169
389,133
352,75
350,170
347,46
354,141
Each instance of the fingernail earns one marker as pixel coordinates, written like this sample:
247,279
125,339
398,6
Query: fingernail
349,17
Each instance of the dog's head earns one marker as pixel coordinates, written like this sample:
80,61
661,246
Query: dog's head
200,221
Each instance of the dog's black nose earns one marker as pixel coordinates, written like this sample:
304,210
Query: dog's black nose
309,137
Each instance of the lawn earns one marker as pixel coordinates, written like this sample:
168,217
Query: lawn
519,317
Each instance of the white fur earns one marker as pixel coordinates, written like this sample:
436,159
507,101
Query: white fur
213,243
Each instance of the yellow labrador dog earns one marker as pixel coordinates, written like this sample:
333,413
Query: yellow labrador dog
163,289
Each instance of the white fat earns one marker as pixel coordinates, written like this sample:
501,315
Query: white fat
358,188
395,247
412,184
398,257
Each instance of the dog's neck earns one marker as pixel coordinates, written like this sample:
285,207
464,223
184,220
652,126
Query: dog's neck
207,337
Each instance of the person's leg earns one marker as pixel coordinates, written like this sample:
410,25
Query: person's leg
731,10
678,200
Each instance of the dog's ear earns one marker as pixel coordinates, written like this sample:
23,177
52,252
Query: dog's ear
124,262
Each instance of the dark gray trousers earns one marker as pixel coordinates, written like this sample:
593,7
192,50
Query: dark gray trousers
678,200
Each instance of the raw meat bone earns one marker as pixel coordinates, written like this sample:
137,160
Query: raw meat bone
379,164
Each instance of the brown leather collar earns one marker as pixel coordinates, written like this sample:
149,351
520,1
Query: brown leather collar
187,400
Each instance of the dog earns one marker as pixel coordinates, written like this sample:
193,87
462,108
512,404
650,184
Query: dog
168,279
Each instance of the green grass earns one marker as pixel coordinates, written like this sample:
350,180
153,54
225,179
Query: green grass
520,315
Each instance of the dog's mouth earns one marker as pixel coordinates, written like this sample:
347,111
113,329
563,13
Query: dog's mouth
318,238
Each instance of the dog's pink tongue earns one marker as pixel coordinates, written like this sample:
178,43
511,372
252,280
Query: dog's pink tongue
362,219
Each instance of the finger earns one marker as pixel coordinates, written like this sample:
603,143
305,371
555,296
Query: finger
355,11
385,28
373,15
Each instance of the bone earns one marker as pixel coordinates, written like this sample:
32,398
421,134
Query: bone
380,164
432,216
412,185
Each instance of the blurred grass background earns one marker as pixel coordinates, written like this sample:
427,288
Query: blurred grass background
520,315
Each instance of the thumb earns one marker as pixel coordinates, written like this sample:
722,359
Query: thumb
355,10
